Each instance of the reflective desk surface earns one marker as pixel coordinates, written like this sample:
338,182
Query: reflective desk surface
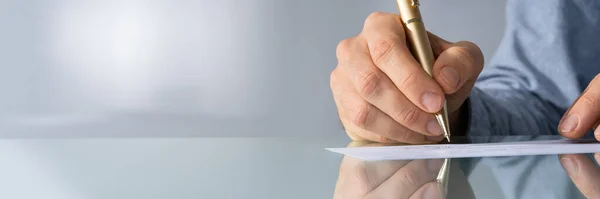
267,167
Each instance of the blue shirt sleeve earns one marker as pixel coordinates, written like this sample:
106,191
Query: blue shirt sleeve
531,80
548,55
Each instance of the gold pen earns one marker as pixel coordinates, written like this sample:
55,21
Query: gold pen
421,49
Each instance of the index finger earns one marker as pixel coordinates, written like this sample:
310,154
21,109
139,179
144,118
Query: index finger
386,41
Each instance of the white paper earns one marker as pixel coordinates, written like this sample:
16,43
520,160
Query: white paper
438,151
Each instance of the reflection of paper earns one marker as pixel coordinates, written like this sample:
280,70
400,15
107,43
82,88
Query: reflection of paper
438,151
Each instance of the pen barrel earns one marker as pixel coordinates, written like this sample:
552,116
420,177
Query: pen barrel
420,47
416,34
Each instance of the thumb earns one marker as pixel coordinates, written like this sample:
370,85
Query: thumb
584,114
456,69
438,45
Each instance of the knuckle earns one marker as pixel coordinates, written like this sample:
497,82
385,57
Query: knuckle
407,116
343,49
362,175
362,116
408,81
333,78
374,18
381,51
410,179
370,84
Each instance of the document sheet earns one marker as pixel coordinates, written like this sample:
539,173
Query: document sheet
438,151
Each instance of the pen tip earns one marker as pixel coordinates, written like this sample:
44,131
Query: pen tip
442,118
443,121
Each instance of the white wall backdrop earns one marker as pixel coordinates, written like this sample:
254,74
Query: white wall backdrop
191,68
127,68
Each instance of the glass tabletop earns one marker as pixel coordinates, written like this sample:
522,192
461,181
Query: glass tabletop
266,167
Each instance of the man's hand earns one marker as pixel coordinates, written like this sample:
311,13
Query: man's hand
388,179
584,114
383,94
584,173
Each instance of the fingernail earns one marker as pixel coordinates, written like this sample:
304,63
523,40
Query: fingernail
570,166
597,157
597,133
569,123
433,127
432,101
432,192
450,76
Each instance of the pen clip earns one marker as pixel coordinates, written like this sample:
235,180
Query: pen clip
415,3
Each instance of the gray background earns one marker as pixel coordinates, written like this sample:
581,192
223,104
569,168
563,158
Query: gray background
192,68
97,68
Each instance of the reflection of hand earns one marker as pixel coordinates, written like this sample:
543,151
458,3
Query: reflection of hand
584,173
388,179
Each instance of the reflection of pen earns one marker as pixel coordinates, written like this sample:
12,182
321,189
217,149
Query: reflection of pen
421,48
443,177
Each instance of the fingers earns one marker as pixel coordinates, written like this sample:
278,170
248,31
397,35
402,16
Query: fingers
384,34
357,178
388,179
347,185
384,95
375,87
430,190
362,120
584,113
584,173
406,181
